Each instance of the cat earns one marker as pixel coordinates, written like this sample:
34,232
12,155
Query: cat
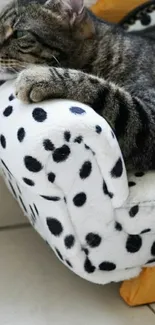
59,49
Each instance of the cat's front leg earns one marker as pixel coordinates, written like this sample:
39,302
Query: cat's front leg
131,117
40,83
37,84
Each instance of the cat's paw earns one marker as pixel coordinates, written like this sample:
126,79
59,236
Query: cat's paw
32,84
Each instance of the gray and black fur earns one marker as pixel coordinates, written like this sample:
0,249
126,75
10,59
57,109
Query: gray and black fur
77,56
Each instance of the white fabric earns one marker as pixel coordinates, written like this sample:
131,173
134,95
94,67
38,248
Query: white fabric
78,202
142,19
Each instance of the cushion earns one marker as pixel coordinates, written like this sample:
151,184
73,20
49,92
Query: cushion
63,164
114,10
141,290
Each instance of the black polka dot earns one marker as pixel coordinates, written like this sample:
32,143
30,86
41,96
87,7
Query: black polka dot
87,147
22,203
77,110
51,177
118,226
13,190
61,154
67,136
65,199
36,209
33,220
93,240
3,141
86,169
19,189
51,198
69,241
85,250
151,261
39,114
139,174
8,111
78,139
28,181
89,268
145,231
10,176
80,199
33,216
32,164
54,226
69,263
21,134
133,211
4,164
48,145
107,266
2,82
112,133
105,190
153,249
145,19
134,243
32,211
131,184
11,97
59,254
98,129
149,9
117,170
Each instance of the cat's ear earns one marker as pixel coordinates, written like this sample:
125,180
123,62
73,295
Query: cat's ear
76,8
76,14
73,7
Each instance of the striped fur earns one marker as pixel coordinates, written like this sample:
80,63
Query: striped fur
88,60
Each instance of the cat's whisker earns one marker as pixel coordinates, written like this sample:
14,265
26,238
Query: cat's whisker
57,61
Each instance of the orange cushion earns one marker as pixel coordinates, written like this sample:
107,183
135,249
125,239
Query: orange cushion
141,290
115,10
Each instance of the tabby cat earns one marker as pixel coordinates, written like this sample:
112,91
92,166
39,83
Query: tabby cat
59,49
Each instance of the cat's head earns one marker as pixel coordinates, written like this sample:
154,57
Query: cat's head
51,32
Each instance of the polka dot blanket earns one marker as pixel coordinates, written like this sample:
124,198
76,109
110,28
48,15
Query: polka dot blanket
63,165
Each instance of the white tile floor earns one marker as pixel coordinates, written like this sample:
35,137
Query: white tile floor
36,289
